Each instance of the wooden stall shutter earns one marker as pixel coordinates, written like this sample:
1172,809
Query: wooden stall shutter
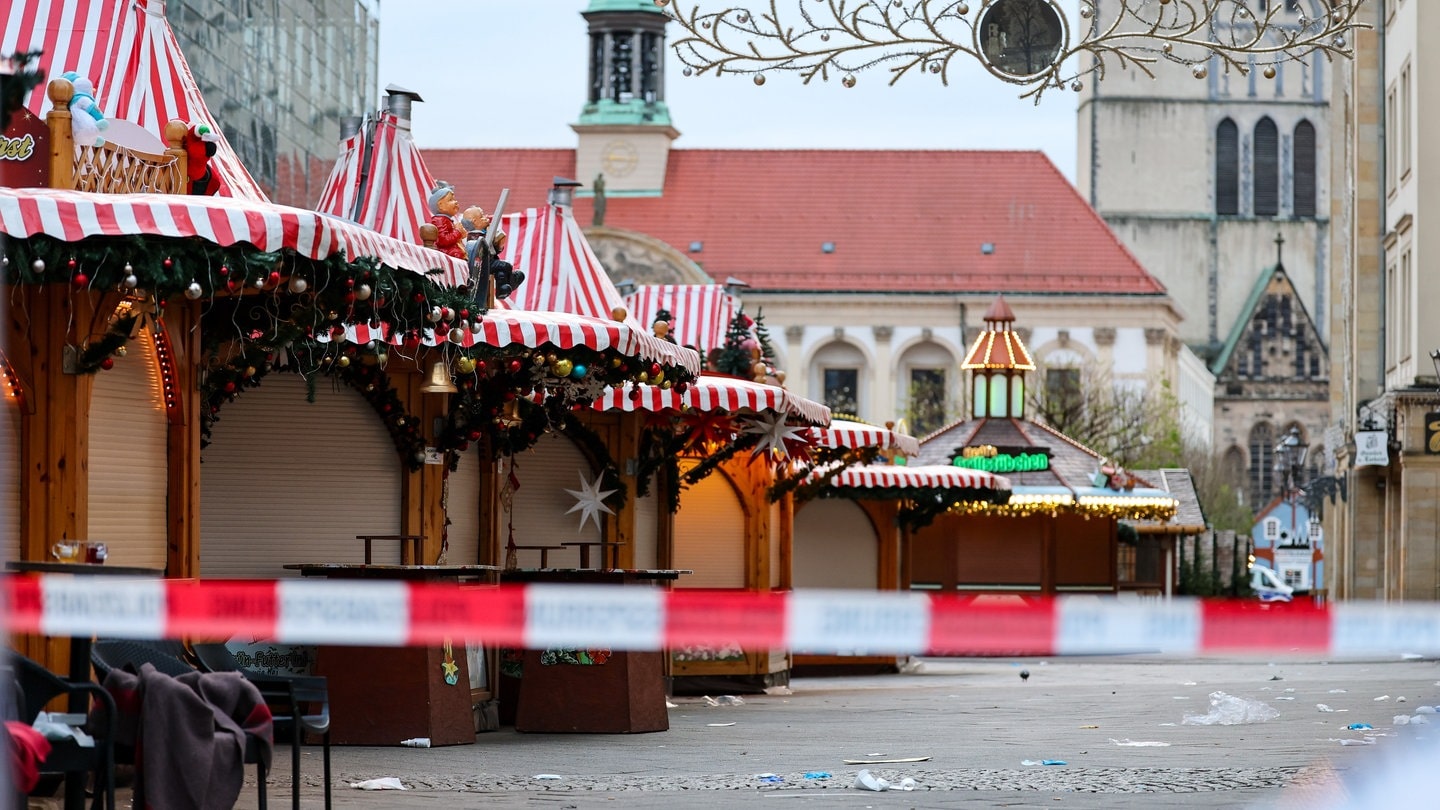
647,531
128,470
463,507
775,545
10,473
835,546
710,534
289,481
545,472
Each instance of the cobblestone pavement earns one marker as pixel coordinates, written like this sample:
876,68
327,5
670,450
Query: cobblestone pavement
975,720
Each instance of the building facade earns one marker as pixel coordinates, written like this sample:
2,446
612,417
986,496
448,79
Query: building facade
1245,160
280,76
1384,532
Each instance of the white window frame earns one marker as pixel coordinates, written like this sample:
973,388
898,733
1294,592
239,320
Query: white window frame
1272,529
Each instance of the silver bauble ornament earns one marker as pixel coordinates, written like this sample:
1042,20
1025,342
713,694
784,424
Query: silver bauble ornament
362,293
193,291
298,284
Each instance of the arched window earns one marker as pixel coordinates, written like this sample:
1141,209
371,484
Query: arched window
1267,169
1262,465
1227,168
1304,169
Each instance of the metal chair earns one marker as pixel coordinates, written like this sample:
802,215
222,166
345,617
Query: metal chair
38,686
111,654
300,703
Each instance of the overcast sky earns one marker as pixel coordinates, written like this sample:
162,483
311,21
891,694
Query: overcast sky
502,73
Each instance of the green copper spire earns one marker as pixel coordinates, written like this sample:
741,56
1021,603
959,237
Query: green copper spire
627,64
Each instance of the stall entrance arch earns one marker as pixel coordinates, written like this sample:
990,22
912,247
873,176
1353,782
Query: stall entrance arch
289,481
541,515
710,534
128,459
462,507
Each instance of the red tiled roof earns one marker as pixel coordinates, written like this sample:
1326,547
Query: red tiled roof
899,220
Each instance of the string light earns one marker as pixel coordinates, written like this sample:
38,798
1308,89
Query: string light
169,384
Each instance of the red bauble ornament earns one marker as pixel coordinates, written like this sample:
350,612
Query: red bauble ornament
474,435
514,366
274,278
349,297
224,271
464,446
419,298
350,283
167,264
508,396
80,280
108,363
464,313
72,264
479,365
229,387
654,369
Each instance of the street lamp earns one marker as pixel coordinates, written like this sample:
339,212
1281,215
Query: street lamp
1290,457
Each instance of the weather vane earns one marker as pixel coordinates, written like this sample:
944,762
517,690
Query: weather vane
1032,43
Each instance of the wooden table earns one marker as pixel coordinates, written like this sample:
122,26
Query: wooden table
544,552
624,695
416,541
382,695
80,645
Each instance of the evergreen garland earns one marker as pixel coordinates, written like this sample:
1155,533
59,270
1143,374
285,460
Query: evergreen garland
14,87
762,336
698,473
810,479
92,358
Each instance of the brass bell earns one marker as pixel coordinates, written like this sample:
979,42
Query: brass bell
439,381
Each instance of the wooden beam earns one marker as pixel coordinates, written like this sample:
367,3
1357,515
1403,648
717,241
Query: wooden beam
182,328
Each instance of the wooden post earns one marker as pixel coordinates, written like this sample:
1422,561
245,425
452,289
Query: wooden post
626,450
787,541
62,140
182,327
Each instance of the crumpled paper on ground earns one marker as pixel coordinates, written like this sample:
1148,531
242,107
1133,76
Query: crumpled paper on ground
383,783
864,780
1229,710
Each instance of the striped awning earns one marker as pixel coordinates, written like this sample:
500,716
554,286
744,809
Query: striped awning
506,327
342,188
701,312
126,48
562,273
845,433
927,477
74,215
716,393
390,197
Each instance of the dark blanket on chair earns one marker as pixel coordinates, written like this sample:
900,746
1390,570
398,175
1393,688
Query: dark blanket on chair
188,734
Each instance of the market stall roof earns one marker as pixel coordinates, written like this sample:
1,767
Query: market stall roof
562,273
127,50
503,327
700,313
396,182
876,476
845,433
715,392
71,216
1189,516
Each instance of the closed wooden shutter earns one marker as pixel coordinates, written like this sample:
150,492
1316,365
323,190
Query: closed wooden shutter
835,546
647,530
710,534
1227,168
1267,169
127,462
463,507
545,472
289,481
775,578
10,476
1305,169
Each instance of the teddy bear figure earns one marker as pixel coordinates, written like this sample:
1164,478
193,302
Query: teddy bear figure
86,119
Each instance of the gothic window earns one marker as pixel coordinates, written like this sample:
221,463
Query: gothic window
1267,169
1227,168
1262,464
1304,169
1232,468
1300,357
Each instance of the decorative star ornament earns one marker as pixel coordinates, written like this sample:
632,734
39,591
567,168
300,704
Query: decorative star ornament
589,501
775,434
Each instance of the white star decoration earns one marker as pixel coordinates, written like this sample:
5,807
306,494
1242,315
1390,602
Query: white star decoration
590,501
773,433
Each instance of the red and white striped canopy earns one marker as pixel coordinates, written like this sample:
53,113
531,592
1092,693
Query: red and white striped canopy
342,187
396,184
845,433
74,215
702,312
562,273
927,477
717,393
504,327
126,48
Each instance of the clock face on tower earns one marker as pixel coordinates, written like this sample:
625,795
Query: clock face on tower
619,158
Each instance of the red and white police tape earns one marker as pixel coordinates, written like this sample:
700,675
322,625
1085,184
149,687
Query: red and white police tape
600,616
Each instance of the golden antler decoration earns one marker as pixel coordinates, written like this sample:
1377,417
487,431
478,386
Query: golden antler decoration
1024,42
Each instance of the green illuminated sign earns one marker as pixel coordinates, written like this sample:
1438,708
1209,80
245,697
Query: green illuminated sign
989,459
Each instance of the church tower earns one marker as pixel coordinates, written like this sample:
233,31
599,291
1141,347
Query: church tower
624,129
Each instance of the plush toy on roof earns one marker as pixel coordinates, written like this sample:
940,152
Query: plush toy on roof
86,119
444,213
199,144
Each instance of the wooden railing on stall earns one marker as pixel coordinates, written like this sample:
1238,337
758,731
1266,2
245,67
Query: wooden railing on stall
110,168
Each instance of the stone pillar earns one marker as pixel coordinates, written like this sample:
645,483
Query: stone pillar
884,402
797,375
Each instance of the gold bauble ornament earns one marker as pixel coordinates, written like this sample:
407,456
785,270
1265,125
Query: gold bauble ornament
465,365
658,378
121,351
642,377
343,361
562,367
618,314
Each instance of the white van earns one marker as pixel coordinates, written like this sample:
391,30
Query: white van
1267,585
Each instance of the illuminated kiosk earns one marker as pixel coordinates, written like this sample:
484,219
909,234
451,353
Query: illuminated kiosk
1058,533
